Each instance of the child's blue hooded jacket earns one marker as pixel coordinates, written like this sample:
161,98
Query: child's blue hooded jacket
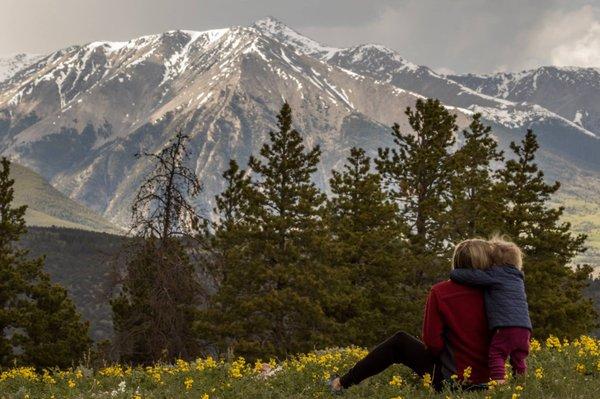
505,298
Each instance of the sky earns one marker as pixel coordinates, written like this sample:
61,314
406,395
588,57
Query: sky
479,36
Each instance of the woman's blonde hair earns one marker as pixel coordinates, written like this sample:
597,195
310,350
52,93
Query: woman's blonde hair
506,252
474,253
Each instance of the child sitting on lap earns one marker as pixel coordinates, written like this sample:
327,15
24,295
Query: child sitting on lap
505,304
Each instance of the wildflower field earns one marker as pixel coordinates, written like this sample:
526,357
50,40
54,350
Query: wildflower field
557,369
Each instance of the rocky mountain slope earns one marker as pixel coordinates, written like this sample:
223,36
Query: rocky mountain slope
571,92
78,115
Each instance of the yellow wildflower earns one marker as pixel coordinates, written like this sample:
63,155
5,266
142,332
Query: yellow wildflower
467,373
182,365
539,373
396,380
553,342
47,378
427,380
112,371
236,370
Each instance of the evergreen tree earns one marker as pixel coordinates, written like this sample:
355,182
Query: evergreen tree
233,204
475,207
271,294
369,252
234,226
39,324
155,312
417,174
555,290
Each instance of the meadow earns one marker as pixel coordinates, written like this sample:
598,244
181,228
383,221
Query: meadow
557,369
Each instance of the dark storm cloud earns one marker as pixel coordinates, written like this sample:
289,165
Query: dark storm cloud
460,35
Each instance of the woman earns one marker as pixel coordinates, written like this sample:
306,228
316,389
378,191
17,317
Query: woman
455,333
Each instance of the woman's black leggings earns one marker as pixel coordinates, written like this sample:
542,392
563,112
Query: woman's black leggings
400,348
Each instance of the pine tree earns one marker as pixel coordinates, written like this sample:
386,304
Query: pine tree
233,228
270,299
417,174
555,290
475,207
39,324
369,253
157,308
233,203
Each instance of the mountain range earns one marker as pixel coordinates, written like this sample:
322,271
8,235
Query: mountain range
77,116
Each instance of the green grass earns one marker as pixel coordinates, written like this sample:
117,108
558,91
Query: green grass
557,370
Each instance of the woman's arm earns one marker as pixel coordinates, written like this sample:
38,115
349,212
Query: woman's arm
433,326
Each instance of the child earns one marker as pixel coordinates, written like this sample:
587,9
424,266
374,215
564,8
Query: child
505,303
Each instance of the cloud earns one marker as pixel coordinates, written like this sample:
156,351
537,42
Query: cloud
460,35
572,38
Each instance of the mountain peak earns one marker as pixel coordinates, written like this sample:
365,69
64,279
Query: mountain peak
277,30
270,22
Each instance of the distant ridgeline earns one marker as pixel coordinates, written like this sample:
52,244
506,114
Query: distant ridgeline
83,262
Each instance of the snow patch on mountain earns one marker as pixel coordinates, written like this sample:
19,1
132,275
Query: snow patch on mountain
11,64
518,117
577,118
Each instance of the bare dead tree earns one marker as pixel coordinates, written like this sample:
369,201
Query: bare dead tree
162,207
155,312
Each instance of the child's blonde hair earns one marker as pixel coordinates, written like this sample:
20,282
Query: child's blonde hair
506,252
474,253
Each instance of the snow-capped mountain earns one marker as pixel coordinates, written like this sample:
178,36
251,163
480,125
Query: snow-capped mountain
571,92
78,115
9,65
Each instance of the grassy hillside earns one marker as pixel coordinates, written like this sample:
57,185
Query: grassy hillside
585,218
49,207
580,195
557,370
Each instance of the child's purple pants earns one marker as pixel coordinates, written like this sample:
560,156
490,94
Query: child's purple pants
510,342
